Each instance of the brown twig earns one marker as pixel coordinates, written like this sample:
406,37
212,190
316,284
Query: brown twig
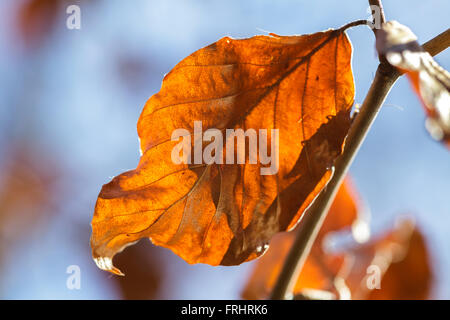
438,43
382,17
353,24
310,225
314,217
379,5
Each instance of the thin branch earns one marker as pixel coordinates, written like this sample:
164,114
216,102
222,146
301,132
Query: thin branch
353,24
382,17
438,43
310,225
379,5
314,217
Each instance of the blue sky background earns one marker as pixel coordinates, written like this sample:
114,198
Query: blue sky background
69,98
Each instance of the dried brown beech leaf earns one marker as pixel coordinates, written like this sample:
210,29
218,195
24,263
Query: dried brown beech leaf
430,81
225,214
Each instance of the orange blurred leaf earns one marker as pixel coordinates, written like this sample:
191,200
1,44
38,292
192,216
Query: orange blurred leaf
430,81
320,269
36,18
28,184
402,257
399,258
226,213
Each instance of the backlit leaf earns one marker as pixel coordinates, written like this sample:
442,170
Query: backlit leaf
225,214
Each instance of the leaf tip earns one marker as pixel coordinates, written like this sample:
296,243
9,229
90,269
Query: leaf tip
105,263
